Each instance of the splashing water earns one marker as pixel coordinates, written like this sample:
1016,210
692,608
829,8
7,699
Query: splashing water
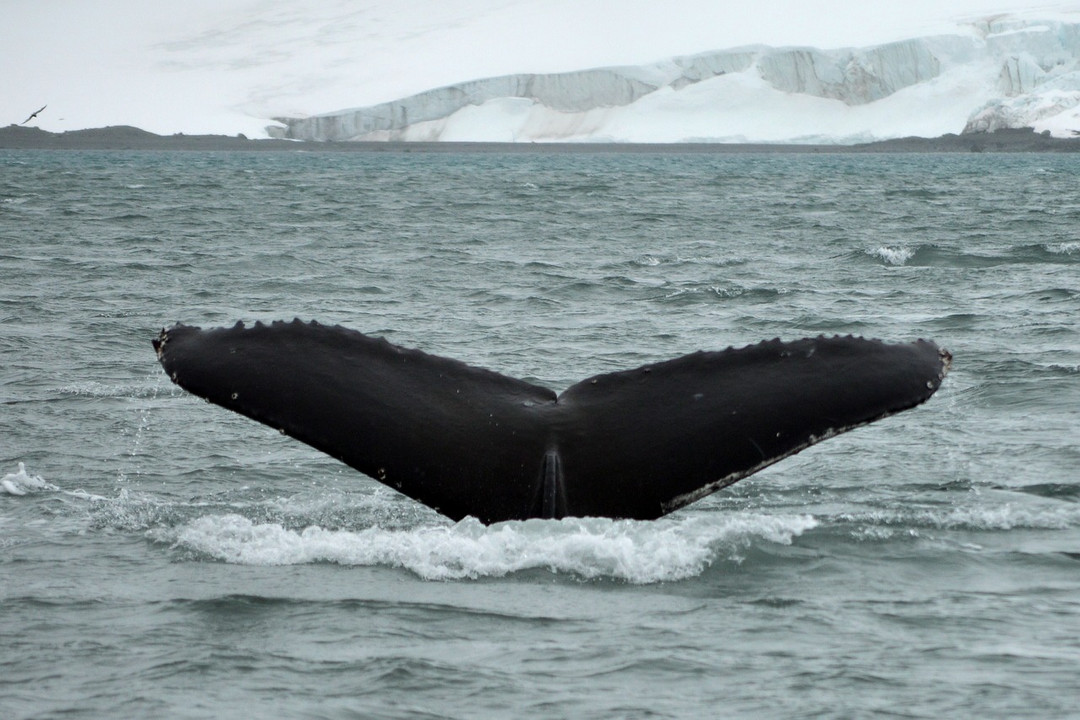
633,551
21,482
892,256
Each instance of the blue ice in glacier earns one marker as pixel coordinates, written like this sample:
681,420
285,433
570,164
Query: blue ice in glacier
994,73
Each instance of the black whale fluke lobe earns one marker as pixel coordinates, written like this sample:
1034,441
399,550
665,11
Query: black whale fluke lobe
467,441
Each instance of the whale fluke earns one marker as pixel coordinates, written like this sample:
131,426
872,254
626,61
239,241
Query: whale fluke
471,442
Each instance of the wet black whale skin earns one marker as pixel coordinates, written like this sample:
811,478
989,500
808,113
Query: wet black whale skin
470,442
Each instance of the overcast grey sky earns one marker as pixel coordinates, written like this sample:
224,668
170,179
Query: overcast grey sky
212,66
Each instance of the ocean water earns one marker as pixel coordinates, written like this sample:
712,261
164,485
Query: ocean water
161,557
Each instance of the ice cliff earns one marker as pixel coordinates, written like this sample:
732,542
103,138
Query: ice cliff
997,73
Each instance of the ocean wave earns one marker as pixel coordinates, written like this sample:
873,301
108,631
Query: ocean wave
935,256
882,523
1065,251
23,483
691,293
892,256
631,551
712,260
1064,248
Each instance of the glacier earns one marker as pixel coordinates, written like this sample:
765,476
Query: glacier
539,70
998,72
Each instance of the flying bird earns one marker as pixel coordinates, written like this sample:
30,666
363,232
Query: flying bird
33,114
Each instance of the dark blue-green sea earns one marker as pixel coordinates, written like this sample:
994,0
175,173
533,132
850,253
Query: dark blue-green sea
161,557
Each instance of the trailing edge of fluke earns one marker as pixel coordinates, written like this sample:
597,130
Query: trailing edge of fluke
471,442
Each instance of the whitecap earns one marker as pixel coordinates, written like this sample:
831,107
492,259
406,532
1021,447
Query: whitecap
632,551
23,483
1007,516
1064,248
892,256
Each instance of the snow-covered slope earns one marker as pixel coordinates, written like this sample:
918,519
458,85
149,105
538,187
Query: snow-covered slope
1004,72
557,69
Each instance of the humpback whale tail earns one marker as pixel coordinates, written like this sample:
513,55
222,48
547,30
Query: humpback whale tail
467,441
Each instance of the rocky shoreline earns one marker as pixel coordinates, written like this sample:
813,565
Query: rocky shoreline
130,138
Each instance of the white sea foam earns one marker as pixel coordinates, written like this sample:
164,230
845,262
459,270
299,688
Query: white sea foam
636,552
22,482
1008,516
892,256
1064,248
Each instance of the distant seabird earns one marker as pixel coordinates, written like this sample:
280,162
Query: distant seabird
33,114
